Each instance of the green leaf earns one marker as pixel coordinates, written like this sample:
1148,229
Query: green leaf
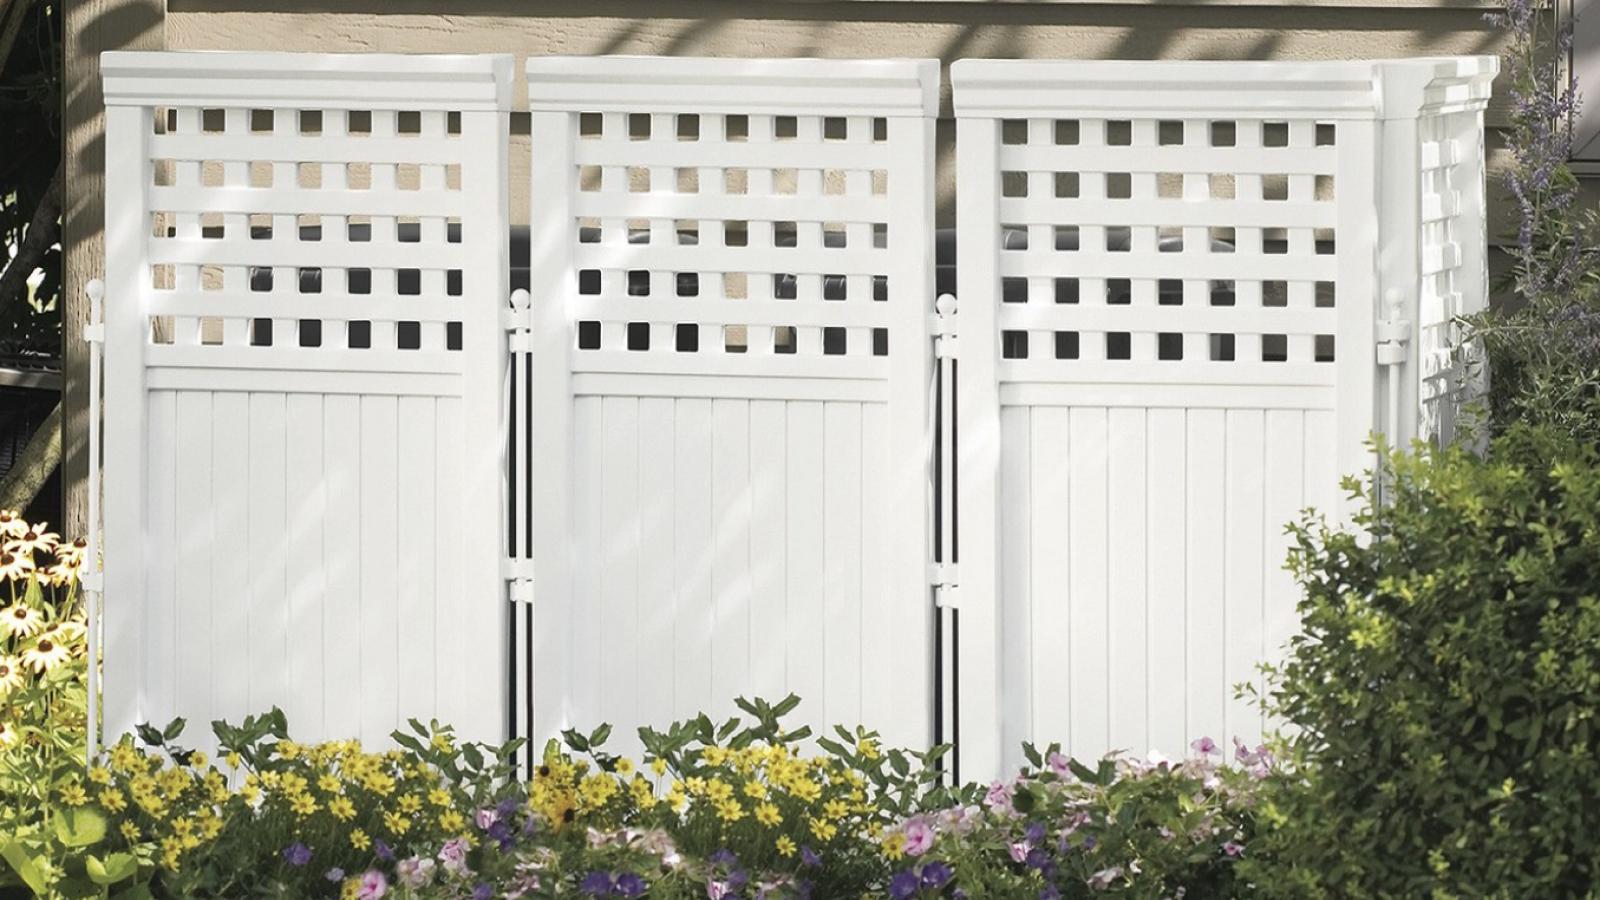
80,827
173,729
149,734
23,865
786,706
114,868
599,735
575,740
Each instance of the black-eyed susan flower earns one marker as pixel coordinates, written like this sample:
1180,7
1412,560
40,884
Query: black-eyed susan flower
34,540
43,655
10,674
20,620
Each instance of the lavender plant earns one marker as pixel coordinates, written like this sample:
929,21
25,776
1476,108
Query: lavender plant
1557,254
1543,354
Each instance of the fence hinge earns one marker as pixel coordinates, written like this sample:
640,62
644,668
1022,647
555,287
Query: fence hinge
518,574
1394,331
942,577
945,342
517,320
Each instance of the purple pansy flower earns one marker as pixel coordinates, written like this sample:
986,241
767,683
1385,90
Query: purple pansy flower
629,885
809,857
903,885
297,854
596,884
936,875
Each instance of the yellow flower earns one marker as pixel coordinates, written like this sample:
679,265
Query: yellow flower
729,810
410,804
624,766
755,790
341,808
351,889
329,784
286,749
441,742
439,797
99,775
234,760
786,846
836,809
713,755
130,832
452,821
74,795
658,766
894,846
198,760
396,823
768,815
359,839
302,804
868,748
823,830
112,800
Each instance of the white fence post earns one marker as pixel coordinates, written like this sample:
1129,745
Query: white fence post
306,267
980,701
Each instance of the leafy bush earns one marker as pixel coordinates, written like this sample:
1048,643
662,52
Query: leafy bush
1445,685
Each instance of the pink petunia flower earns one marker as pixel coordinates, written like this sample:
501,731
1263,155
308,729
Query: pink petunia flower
373,885
454,856
919,836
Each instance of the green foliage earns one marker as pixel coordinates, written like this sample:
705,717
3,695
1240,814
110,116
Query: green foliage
1445,685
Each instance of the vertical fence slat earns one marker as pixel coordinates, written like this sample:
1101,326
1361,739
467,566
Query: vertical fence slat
1126,578
731,575
692,564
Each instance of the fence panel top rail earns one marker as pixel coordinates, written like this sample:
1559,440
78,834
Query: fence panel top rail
385,80
654,84
1148,89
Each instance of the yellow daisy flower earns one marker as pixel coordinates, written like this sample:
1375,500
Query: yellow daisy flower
768,815
130,832
112,800
360,840
786,846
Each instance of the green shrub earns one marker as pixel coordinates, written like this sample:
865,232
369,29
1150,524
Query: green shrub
1445,685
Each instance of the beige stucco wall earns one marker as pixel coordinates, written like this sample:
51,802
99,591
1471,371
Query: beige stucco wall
946,29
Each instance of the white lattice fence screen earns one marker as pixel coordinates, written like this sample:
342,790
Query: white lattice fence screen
1454,280
732,282
1167,276
305,266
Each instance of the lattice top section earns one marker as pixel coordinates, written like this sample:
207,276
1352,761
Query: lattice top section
1453,279
711,231
283,227
1169,246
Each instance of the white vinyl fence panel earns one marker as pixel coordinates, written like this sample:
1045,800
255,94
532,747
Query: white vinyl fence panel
1169,277
731,273
306,266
